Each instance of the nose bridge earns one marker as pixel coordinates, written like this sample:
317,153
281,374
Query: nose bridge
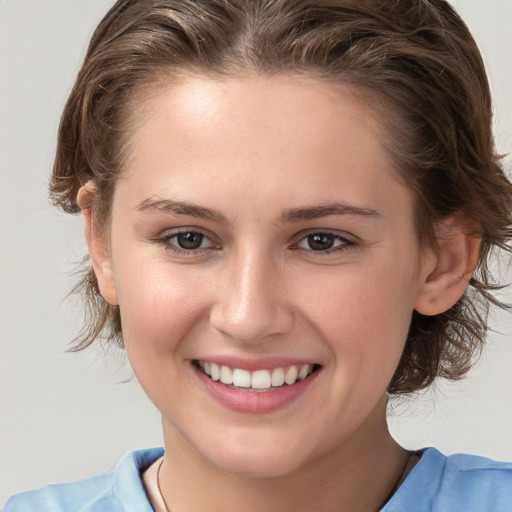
251,305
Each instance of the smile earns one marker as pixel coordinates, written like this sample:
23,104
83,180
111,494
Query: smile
259,380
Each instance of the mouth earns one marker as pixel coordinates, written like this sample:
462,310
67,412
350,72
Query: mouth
263,380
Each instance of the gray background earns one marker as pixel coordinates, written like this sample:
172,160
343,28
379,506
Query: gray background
67,416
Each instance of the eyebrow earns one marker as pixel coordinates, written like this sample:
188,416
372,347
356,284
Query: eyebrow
292,215
181,208
316,212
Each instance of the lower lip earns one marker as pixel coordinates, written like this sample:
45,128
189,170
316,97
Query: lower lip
254,402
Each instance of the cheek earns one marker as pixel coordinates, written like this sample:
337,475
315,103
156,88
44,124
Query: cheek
363,314
159,309
159,305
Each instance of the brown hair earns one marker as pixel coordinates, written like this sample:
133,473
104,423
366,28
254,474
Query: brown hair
415,58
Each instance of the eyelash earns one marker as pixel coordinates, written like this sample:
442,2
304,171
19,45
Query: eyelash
345,242
166,238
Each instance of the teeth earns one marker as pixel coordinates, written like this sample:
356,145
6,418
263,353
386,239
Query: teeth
226,375
304,372
241,378
215,371
278,377
260,379
291,375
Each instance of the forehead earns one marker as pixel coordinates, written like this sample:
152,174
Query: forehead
196,102
266,135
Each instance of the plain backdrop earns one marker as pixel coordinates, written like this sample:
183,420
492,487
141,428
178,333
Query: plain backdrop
67,416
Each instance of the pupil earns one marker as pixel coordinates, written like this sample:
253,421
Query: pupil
189,240
320,242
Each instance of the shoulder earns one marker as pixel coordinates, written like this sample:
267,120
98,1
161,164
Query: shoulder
93,494
457,482
476,483
119,490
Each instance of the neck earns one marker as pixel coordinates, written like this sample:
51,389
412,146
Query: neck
358,476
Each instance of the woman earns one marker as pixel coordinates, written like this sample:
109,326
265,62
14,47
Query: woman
289,208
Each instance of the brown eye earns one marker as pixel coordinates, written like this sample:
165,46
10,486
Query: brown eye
320,241
325,242
189,240
186,242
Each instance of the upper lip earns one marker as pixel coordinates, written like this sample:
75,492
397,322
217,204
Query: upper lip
254,364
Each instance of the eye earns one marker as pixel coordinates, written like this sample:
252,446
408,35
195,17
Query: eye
189,240
186,241
324,242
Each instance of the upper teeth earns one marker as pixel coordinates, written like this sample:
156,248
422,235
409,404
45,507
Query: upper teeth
259,379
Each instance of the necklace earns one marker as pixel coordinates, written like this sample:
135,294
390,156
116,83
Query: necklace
158,485
413,458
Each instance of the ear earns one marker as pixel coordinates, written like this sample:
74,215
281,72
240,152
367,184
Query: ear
449,267
101,261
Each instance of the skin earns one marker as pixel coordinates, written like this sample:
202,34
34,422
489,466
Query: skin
253,150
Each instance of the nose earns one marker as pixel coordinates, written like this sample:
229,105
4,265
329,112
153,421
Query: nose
252,304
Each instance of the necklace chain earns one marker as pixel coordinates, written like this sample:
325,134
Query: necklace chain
410,463
158,485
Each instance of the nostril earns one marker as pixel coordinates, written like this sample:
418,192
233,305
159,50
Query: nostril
251,325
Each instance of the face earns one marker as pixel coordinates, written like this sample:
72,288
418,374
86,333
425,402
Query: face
263,255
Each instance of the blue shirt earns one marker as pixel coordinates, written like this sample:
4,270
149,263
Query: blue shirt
459,483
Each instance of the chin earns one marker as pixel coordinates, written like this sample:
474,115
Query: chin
256,462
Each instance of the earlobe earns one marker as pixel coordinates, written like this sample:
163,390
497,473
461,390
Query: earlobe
100,258
450,267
